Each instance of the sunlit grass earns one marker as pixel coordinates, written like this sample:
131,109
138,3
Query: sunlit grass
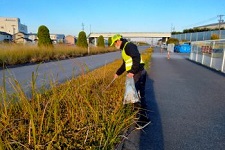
13,54
78,114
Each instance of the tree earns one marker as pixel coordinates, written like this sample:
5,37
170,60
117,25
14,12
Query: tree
109,41
173,40
214,37
100,42
44,37
82,40
174,32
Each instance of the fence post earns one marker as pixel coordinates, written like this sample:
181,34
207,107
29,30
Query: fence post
203,54
223,61
192,52
196,57
211,60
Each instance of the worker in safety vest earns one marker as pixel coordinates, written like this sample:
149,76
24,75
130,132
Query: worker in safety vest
134,66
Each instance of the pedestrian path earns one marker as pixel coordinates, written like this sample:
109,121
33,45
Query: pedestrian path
187,107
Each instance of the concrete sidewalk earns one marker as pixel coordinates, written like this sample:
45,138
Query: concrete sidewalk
187,107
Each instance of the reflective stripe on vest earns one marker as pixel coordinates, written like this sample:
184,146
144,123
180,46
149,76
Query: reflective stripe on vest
128,60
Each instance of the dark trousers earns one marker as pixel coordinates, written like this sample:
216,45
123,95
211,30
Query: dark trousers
140,80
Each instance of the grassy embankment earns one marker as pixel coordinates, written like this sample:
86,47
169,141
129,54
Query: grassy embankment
79,114
13,54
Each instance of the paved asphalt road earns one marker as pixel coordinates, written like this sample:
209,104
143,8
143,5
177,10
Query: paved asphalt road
187,107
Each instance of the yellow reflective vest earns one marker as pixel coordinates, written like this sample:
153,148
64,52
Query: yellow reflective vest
128,60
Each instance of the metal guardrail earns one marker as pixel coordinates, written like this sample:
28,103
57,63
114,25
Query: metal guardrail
210,53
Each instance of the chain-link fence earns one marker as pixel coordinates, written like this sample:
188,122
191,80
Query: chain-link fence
209,53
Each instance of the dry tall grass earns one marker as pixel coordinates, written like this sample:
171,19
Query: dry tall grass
13,54
79,114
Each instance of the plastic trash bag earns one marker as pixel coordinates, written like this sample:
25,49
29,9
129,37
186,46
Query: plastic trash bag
130,95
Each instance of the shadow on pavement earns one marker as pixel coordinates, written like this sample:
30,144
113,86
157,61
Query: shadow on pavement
151,137
207,67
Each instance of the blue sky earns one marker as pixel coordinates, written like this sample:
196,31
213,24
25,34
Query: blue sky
66,16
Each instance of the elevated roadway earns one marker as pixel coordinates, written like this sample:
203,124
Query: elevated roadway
163,35
132,34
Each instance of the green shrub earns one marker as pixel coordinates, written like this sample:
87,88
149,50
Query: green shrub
82,40
215,37
173,40
100,42
44,37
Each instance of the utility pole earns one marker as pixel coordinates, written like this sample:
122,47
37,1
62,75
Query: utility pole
82,26
172,28
220,21
13,26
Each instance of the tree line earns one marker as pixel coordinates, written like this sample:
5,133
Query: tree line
192,30
44,39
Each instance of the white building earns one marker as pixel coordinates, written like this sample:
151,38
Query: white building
5,36
22,38
33,37
57,38
12,25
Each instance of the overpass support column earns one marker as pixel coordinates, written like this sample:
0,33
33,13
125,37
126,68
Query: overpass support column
164,39
95,41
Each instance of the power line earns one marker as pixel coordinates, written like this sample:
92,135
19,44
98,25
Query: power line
201,22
